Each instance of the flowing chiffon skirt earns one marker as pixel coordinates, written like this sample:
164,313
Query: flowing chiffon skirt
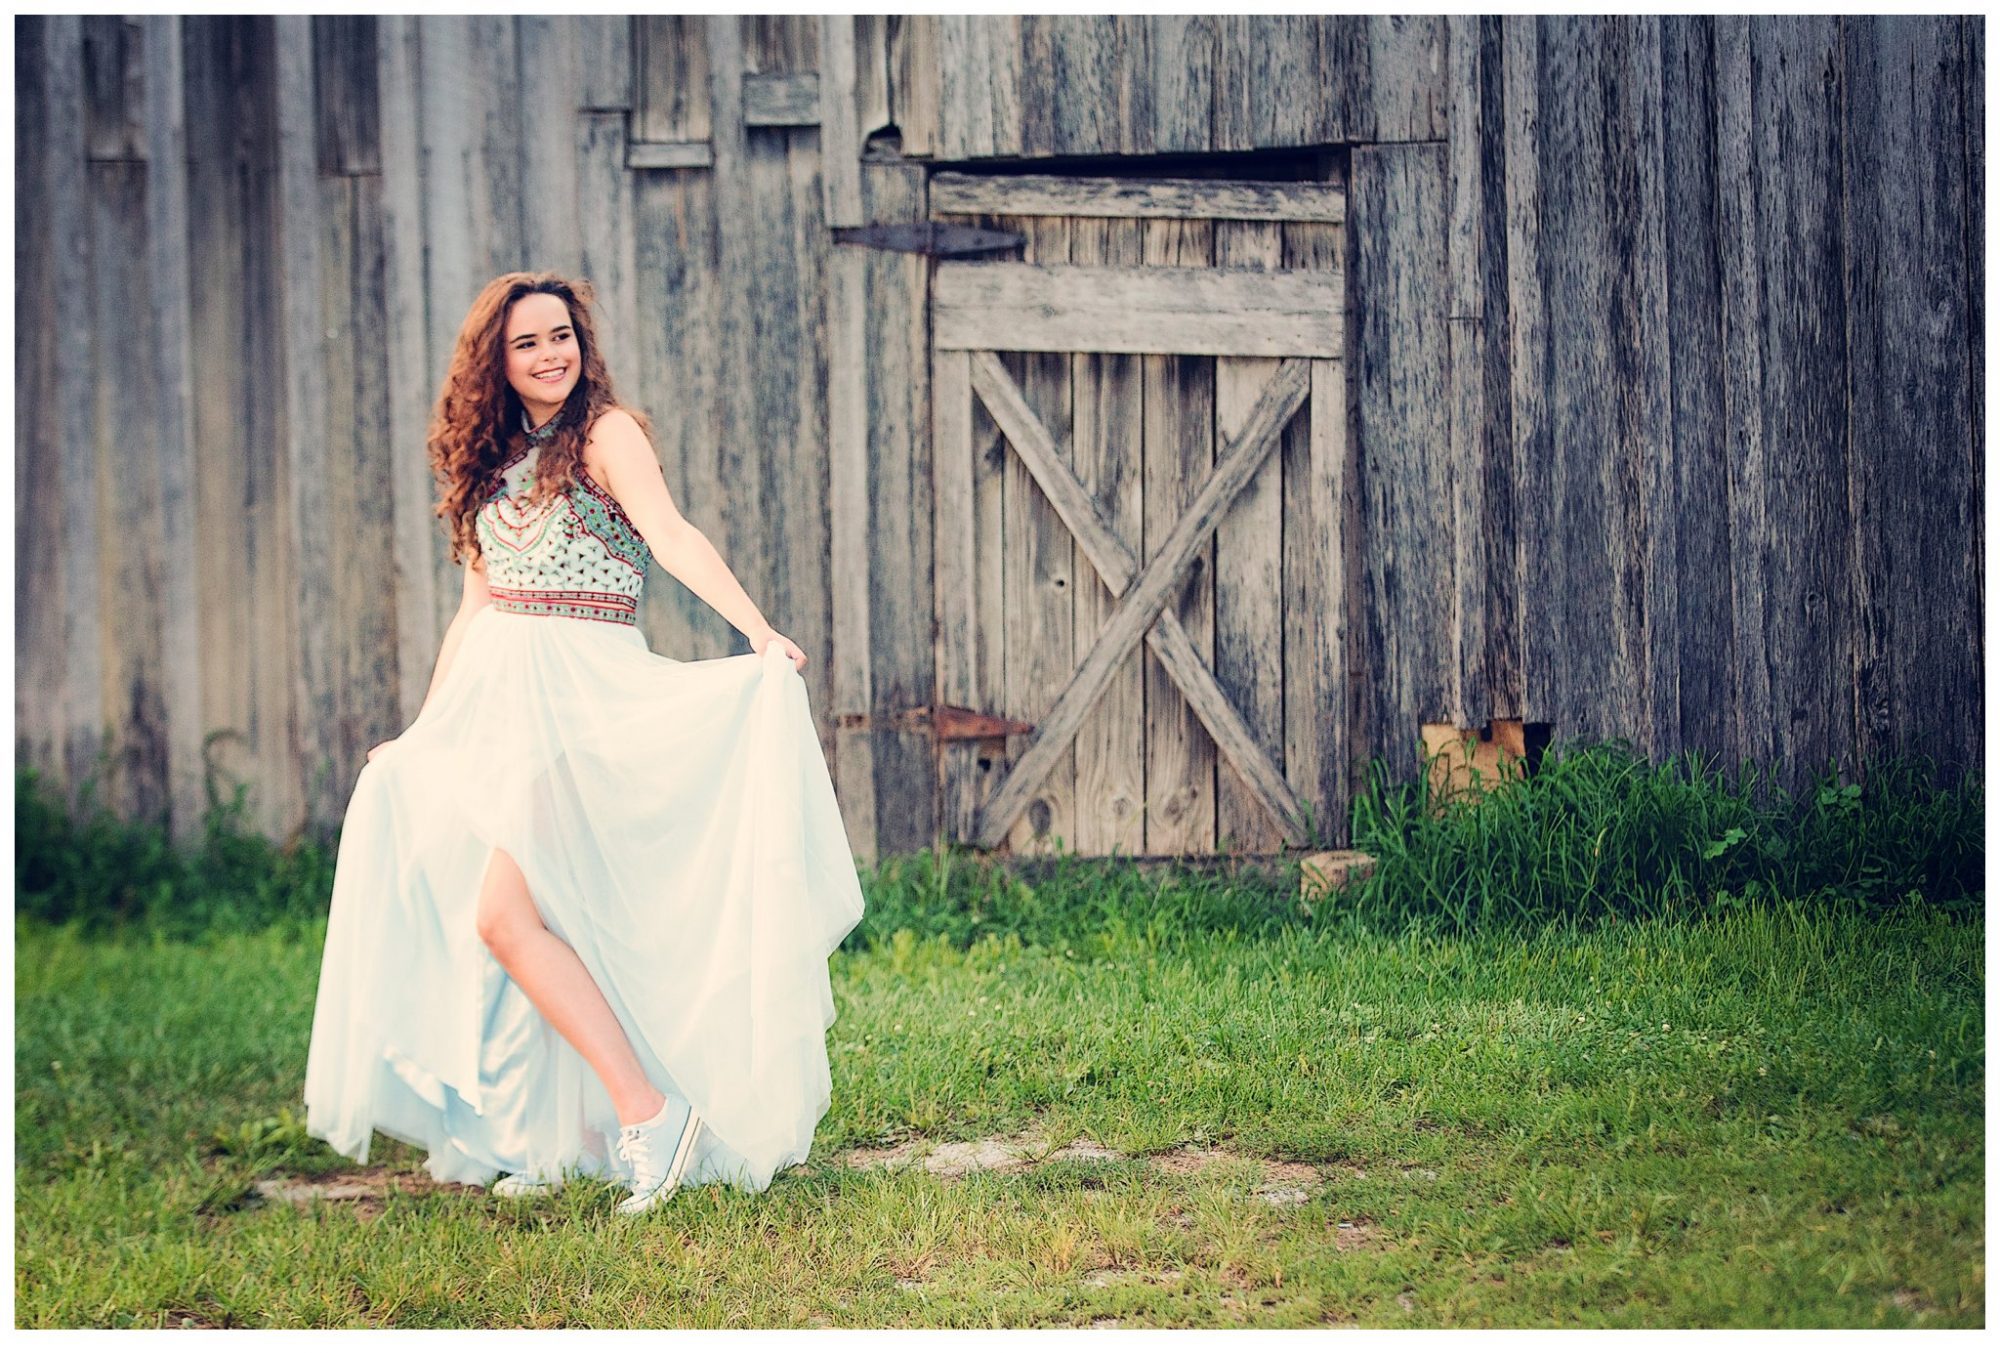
676,825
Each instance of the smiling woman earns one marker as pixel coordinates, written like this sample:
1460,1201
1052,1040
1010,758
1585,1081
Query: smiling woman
582,907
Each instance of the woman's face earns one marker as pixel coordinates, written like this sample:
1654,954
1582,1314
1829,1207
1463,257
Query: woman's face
544,360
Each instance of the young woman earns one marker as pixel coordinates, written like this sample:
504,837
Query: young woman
583,905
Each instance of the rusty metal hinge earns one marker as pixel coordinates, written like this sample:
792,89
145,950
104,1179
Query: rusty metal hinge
947,723
936,238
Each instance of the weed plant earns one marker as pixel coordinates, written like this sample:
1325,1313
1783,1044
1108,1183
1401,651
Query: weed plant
1596,833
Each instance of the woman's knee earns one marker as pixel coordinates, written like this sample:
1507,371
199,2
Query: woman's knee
506,911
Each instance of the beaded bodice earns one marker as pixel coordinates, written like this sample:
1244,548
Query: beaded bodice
576,555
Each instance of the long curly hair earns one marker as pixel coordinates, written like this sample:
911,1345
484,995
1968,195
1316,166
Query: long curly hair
476,425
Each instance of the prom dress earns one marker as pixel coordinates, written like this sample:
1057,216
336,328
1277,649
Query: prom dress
676,826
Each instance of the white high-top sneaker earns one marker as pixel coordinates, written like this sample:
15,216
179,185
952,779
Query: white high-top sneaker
658,1150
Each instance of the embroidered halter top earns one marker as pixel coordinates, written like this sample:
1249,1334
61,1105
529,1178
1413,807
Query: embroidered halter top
576,555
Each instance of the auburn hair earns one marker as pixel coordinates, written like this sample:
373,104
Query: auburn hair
476,425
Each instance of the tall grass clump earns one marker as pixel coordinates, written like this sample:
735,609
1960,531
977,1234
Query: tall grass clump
1597,832
92,870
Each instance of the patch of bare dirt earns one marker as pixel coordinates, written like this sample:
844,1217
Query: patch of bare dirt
366,1189
951,1160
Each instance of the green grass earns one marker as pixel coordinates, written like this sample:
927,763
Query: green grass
1772,1116
1620,1046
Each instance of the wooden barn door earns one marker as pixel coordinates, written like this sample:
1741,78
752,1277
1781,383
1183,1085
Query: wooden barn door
1138,456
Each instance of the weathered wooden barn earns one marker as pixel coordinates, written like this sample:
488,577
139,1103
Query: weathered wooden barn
1142,421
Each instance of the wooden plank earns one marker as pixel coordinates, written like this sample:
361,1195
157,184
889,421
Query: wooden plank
130,534
841,124
1704,655
346,98
39,688
781,100
960,787
1347,95
736,273
453,266
1041,570
495,168
167,272
1115,564
1797,257
807,597
1249,546
1039,101
1179,418
899,546
1002,49
1577,637
1974,40
1142,602
669,155
1333,475
780,44
423,595
1315,596
1125,198
1400,362
608,238
72,396
1108,452
1646,503
1233,125
915,88
871,72
361,460
1132,83
965,123
1527,338
682,385
552,82
305,451
1803,394
852,515
1181,49
1737,174
246,421
114,89
672,101
1909,280
1407,100
1288,88
1464,164
1108,308
604,58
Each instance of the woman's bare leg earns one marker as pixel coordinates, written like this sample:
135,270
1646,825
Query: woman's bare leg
561,987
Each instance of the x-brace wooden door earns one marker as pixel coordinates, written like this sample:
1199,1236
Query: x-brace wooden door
1269,338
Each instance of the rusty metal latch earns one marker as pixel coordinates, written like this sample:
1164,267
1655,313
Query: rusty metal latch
936,238
947,723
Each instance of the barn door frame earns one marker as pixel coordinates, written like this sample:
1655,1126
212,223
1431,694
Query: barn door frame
981,309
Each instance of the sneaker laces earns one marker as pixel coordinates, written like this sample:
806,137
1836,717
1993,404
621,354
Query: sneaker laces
640,1149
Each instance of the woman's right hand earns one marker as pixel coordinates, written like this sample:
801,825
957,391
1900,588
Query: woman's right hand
378,747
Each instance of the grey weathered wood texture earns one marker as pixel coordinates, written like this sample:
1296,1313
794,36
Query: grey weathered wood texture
1641,393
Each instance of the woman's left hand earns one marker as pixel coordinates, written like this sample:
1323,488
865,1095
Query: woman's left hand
792,650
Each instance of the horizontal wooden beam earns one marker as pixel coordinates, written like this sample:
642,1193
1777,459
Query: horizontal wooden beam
1184,199
669,155
781,100
1221,312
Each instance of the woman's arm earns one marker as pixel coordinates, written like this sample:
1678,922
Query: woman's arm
632,475
474,596
470,600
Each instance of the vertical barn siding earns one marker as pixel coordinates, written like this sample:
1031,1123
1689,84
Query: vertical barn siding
1663,379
